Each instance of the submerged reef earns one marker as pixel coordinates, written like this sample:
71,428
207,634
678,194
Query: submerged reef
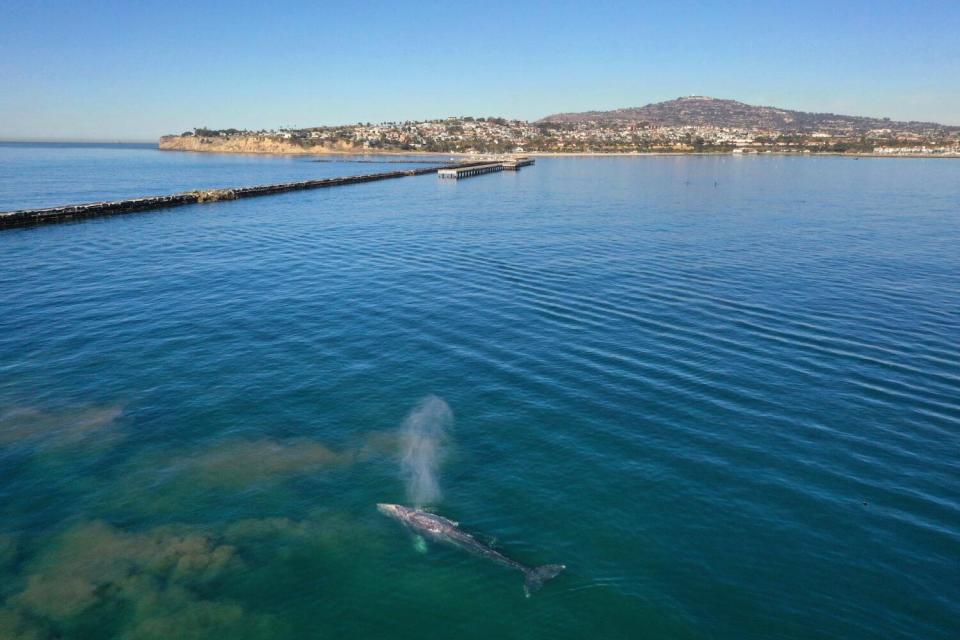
165,541
173,482
98,580
95,426
95,562
15,625
186,484
252,461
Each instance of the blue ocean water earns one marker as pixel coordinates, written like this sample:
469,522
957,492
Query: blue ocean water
71,173
725,392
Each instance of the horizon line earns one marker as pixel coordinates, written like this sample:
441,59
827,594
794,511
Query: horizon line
76,140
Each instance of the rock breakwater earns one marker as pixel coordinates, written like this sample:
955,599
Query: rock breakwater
28,217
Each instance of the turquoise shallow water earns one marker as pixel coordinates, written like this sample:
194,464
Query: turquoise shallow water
725,392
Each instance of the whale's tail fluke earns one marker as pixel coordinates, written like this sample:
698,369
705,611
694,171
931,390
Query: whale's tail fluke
534,578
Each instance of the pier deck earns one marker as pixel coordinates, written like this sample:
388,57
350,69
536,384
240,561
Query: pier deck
475,170
466,171
516,163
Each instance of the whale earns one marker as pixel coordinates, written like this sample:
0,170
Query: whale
440,529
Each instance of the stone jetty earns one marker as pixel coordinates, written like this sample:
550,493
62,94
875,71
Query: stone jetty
28,217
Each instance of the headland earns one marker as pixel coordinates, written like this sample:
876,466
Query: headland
690,125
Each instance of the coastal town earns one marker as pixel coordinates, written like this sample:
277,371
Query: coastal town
686,125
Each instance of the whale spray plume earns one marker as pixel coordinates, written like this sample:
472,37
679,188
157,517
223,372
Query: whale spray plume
423,443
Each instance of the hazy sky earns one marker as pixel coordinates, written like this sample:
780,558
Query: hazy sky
134,70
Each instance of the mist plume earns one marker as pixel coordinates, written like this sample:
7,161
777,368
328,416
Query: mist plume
423,443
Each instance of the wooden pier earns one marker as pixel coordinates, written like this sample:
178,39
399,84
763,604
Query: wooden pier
466,171
515,163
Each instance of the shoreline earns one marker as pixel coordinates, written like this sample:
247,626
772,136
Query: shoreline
248,146
563,154
628,154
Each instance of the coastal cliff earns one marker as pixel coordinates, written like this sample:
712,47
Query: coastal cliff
250,144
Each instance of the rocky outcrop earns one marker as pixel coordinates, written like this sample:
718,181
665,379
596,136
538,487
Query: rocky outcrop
250,144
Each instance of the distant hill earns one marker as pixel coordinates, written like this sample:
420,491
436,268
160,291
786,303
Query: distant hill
705,111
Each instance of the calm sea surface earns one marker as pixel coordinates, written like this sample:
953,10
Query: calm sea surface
725,392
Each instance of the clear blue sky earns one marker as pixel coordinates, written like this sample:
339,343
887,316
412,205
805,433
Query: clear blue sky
134,70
